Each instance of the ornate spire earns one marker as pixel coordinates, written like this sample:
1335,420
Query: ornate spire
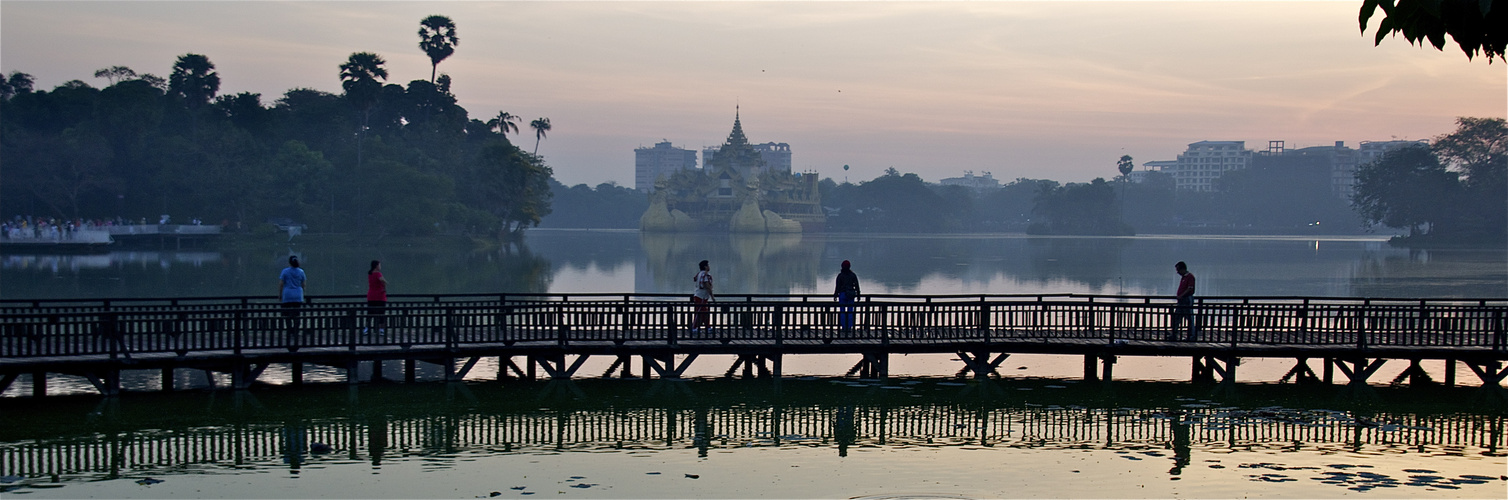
737,136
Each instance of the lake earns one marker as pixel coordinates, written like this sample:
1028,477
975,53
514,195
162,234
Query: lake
1036,432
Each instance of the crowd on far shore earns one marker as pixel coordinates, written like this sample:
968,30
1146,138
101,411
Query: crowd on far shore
51,228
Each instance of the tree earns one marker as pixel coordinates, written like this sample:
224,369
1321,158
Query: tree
437,38
1125,165
1479,149
512,186
115,74
18,83
1079,209
1475,25
359,77
194,80
1404,189
504,122
540,126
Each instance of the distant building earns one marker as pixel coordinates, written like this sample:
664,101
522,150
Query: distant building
981,183
1204,161
1163,166
1334,166
660,161
776,156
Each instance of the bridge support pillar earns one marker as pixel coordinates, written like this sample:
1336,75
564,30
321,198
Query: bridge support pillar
665,365
1359,371
981,364
1450,373
408,369
1301,373
242,375
1414,375
1211,369
555,365
106,382
1099,367
7,380
1492,374
353,372
873,365
507,369
376,370
753,365
167,379
38,384
623,361
298,372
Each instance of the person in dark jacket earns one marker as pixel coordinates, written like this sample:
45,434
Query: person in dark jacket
847,291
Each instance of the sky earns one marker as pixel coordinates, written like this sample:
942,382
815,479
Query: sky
1046,90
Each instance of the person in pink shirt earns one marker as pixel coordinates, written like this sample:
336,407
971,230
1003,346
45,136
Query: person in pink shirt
376,298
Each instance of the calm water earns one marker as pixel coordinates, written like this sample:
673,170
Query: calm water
1036,433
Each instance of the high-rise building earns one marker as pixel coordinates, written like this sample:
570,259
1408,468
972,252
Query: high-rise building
1205,161
660,161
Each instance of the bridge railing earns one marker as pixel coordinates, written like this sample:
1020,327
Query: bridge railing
478,321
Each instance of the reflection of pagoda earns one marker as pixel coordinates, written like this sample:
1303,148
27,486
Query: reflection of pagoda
736,190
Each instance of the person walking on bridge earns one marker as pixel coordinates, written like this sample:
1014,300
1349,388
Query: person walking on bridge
291,289
702,296
847,292
376,298
1184,311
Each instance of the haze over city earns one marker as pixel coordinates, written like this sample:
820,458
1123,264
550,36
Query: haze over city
1055,90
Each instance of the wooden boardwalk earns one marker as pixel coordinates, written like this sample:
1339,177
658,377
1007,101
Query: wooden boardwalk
556,333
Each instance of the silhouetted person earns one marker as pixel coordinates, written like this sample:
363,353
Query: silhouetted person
702,296
1184,311
847,291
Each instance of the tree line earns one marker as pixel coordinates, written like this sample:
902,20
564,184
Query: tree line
377,159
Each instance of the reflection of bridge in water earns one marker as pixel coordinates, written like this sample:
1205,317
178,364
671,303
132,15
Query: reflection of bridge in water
255,436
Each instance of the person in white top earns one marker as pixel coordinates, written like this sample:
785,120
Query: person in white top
701,297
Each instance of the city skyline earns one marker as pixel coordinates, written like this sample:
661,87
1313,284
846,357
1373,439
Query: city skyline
1055,90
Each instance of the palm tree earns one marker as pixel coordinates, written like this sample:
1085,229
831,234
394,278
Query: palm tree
540,126
358,76
1125,165
194,79
504,122
437,38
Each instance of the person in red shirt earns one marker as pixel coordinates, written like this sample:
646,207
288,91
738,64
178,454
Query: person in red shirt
1184,311
377,298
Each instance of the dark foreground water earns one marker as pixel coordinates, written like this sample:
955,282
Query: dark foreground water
1036,433
800,438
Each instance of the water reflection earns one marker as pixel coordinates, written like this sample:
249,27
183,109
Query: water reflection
623,261
86,439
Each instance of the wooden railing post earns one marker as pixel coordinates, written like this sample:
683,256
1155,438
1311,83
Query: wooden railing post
778,322
1497,330
1361,327
670,326
450,328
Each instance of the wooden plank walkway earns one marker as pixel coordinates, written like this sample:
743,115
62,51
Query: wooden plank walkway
98,338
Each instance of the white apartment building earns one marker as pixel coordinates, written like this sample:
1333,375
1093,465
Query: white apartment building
1204,161
662,160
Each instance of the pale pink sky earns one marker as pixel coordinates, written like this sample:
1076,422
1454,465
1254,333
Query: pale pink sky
1054,90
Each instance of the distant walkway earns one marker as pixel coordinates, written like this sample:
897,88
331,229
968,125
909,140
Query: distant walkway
556,333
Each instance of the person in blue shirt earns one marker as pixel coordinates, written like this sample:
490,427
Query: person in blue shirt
291,287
